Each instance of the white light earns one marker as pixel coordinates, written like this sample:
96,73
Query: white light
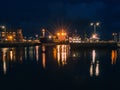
91,24
97,69
97,23
93,56
91,70
3,27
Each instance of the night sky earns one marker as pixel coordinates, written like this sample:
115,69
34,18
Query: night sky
33,15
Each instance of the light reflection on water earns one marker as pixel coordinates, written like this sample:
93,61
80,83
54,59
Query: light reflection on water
31,52
94,67
60,53
43,57
4,50
58,66
37,53
113,56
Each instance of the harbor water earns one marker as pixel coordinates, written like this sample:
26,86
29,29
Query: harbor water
58,67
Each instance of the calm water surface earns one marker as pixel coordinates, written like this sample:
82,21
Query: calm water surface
59,67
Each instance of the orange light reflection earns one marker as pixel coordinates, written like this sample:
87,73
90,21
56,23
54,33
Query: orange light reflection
37,54
113,57
62,54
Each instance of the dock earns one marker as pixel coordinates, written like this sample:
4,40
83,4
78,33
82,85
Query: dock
18,44
99,44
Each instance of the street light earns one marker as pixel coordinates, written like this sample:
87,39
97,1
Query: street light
94,36
43,33
115,36
94,25
4,28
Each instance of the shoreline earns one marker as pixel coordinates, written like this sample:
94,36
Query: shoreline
18,44
72,45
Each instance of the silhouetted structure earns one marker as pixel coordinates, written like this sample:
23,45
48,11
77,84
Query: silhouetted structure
19,35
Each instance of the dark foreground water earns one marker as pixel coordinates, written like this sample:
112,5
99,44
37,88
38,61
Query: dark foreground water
59,68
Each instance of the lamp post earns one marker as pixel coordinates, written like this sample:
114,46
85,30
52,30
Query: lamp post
114,36
94,25
4,28
43,33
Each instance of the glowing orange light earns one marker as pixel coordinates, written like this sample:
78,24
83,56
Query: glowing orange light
58,34
62,33
65,34
10,37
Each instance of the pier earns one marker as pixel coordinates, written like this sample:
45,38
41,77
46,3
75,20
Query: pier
18,44
100,44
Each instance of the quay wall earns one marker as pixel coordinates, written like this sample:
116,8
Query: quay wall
72,45
93,45
18,44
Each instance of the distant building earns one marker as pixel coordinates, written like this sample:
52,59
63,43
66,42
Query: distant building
19,35
2,34
11,36
75,38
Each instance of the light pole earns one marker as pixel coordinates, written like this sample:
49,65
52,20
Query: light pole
43,33
114,36
94,25
4,28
